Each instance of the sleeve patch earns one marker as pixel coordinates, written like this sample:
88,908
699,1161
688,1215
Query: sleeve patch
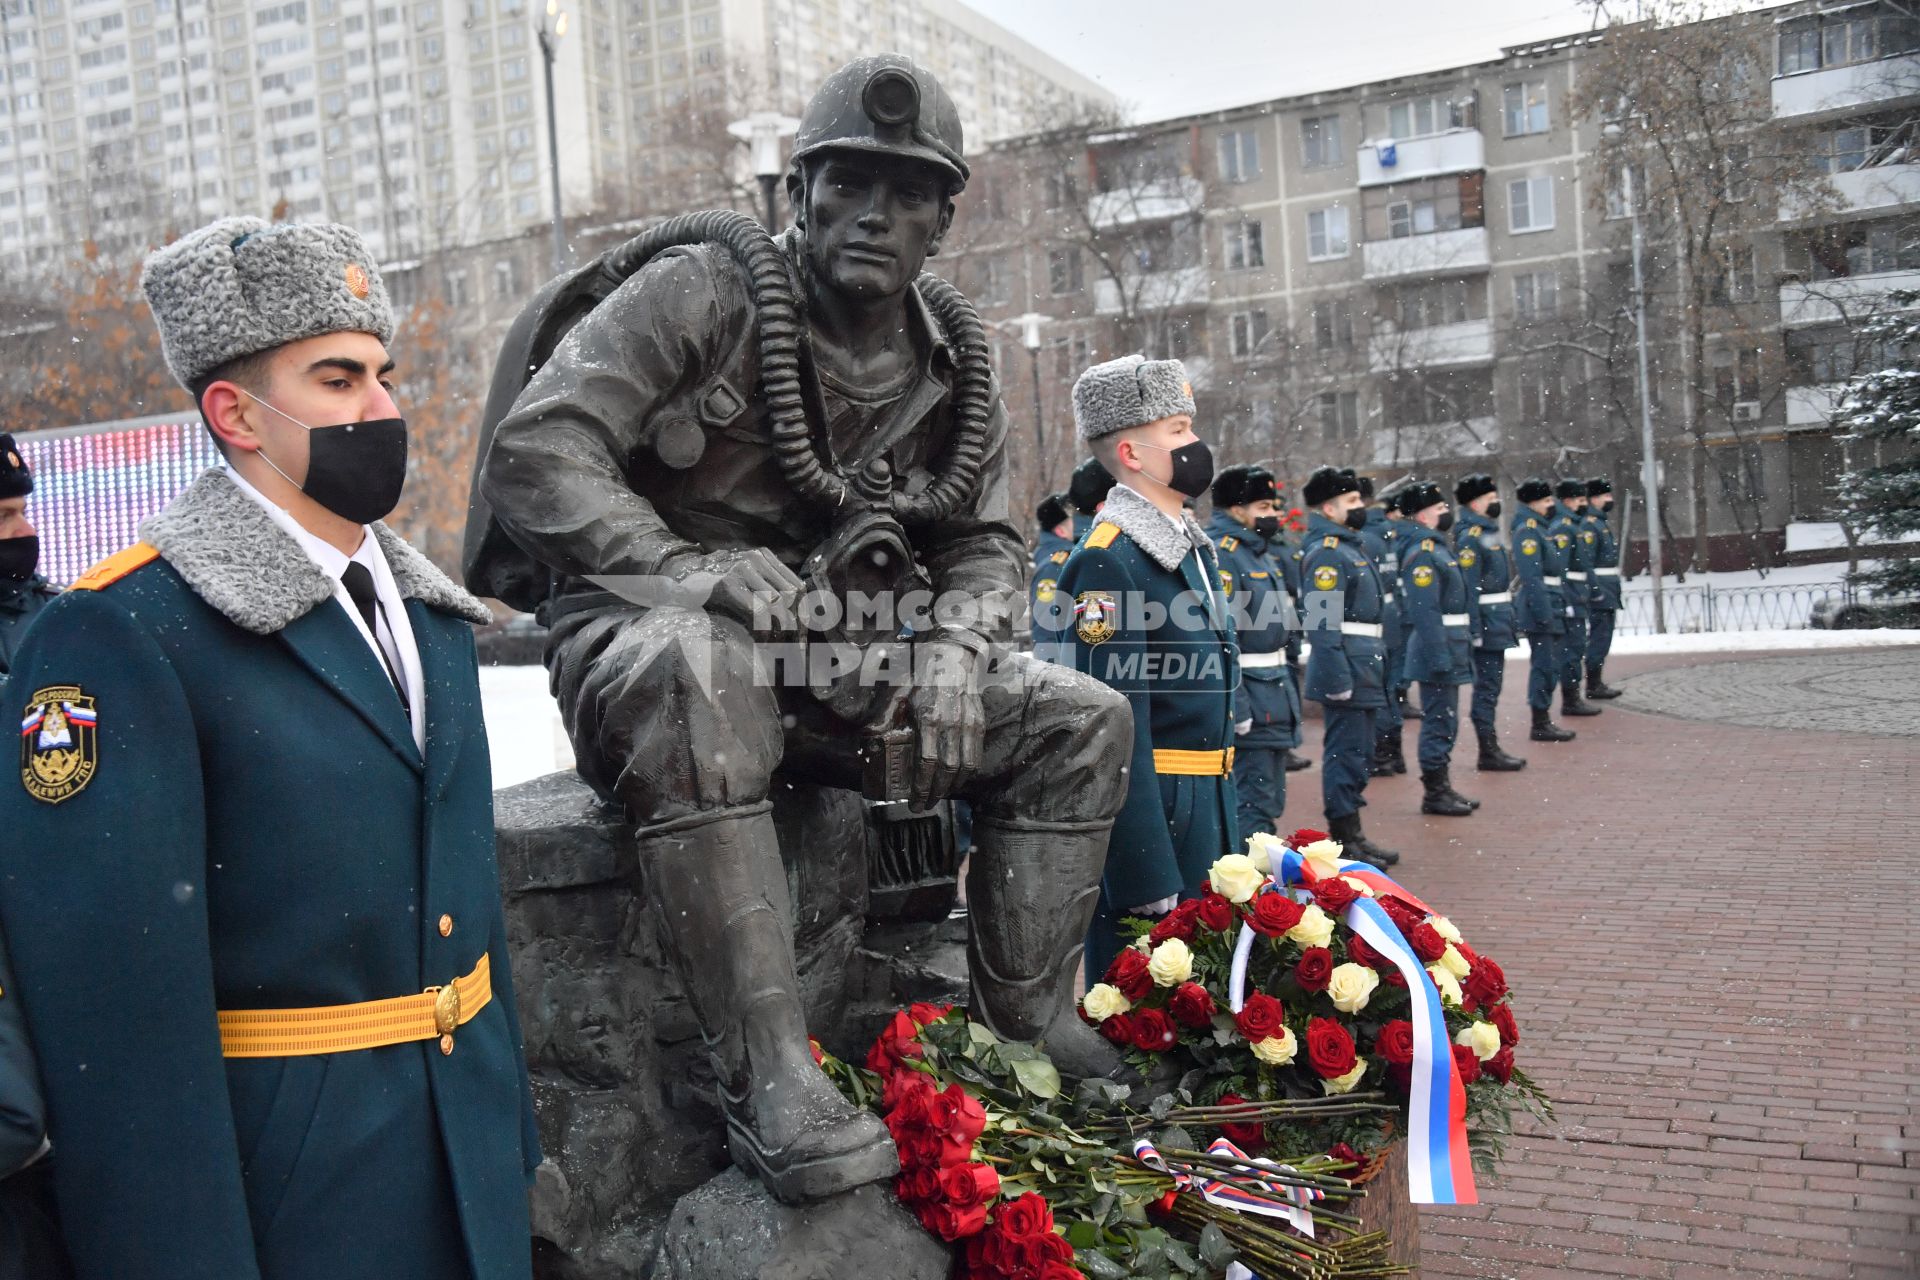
1467,558
1326,577
1093,613
1423,575
59,743
1529,547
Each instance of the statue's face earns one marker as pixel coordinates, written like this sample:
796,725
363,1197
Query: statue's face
871,221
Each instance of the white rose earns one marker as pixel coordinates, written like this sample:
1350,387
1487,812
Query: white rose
1482,1037
1323,856
1345,1083
1315,928
1172,963
1448,985
1444,927
1453,962
1278,1051
1143,945
1261,846
1365,890
1103,1001
1235,878
1351,987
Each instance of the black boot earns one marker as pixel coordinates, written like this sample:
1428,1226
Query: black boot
1396,751
1572,704
1598,688
1380,764
1438,799
1545,730
1297,762
1409,707
1354,843
1446,780
1492,758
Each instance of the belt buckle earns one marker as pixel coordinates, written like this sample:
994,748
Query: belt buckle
446,1008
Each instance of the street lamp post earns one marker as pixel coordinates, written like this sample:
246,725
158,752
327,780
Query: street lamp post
549,44
762,132
1030,325
1649,464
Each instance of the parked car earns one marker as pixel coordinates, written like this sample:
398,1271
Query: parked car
1855,612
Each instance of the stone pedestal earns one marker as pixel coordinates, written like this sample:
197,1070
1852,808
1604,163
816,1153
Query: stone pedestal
731,1229
1388,1207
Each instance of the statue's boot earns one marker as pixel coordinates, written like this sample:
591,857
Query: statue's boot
728,922
1032,887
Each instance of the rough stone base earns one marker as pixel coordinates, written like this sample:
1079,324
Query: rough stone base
731,1229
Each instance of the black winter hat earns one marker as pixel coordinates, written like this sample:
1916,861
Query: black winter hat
1326,484
1089,486
1238,485
1599,485
1418,496
1533,489
16,477
1473,486
1570,489
1052,510
1363,484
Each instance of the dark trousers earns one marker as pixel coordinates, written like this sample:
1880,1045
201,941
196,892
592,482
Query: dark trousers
1572,650
1260,780
1543,668
1489,674
30,1245
1599,639
1440,705
1387,720
1345,751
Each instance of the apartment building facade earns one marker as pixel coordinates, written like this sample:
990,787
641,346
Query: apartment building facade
1432,274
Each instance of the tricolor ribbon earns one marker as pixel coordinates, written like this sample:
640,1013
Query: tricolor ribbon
1286,1202
1439,1162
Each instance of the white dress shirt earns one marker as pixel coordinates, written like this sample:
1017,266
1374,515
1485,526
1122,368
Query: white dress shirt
396,640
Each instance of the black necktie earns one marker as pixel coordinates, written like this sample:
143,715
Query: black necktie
359,585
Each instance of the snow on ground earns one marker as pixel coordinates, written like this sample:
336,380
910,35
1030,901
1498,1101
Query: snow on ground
1788,575
1753,641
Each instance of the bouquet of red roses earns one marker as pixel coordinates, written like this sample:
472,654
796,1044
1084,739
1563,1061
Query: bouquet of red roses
1297,974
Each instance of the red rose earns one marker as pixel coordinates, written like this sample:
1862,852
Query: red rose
1360,951
1272,914
963,1122
1152,1031
1403,913
1191,1006
1395,978
1401,1078
819,1054
1118,1029
1466,1064
1304,837
1177,923
1395,1042
953,1222
902,1083
919,1150
1334,895
1129,973
1060,1271
923,1014
1248,1135
1500,1065
1501,1016
1427,942
918,1185
1315,969
1055,1247
1260,1017
964,1185
1329,1048
1346,1155
915,1113
897,1044
1025,1218
1216,913
1485,983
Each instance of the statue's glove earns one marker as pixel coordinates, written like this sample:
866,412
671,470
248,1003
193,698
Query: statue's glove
949,717
750,586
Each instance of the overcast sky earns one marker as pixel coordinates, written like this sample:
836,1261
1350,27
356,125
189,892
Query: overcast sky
1172,57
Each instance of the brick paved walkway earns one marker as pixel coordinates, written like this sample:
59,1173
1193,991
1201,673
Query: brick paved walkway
1865,691
1682,909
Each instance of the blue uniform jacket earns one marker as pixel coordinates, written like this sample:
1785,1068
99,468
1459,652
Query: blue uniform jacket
1344,659
1539,604
1572,537
259,831
1256,586
1439,626
1604,588
1049,559
1178,670
1381,540
1488,572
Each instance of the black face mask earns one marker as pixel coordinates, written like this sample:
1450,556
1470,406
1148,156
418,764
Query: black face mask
1602,512
19,557
355,470
1444,523
1493,510
1192,467
1357,518
1267,526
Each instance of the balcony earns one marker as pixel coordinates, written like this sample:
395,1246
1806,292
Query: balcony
1456,151
1871,190
1468,441
1154,291
1439,253
1156,201
1813,406
1840,300
1839,90
1469,342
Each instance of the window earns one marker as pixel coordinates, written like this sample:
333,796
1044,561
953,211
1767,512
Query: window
1065,273
1530,205
1419,117
1062,190
1829,356
1733,276
1736,379
506,279
1846,36
1422,306
1247,330
989,279
1860,249
1320,142
1419,399
1339,415
1624,182
1524,108
1332,324
1239,155
1543,389
1327,233
1742,474
1245,249
1736,179
1411,218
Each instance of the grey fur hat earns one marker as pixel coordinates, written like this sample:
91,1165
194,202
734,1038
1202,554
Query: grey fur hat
244,285
1129,392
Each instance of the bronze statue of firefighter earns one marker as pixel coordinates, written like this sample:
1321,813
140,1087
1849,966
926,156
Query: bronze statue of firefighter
686,435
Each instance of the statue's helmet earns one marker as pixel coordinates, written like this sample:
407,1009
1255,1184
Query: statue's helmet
888,105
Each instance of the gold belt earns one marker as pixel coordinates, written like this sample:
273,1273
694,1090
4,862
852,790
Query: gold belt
341,1028
1195,764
